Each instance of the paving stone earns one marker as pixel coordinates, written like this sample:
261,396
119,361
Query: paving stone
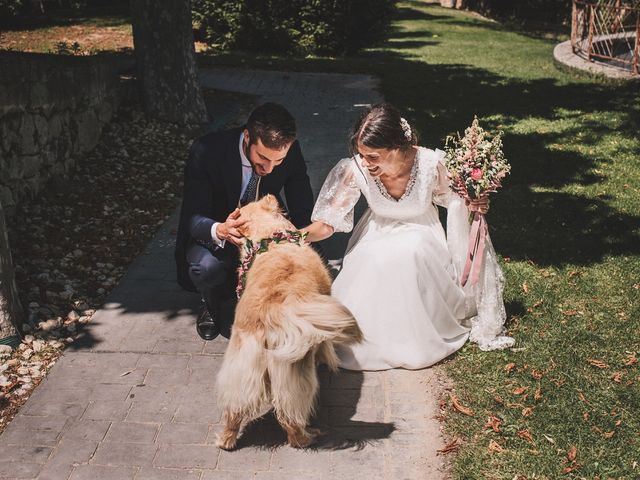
183,433
167,377
309,461
294,476
73,451
19,470
245,460
166,361
355,463
119,453
99,472
168,474
223,475
132,432
113,410
24,453
47,438
93,430
187,456
151,412
31,422
179,345
198,412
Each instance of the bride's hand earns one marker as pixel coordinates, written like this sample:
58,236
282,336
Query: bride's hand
480,205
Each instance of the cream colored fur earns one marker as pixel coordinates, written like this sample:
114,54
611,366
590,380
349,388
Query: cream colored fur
286,323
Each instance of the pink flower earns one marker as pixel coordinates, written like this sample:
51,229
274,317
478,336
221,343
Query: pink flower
476,173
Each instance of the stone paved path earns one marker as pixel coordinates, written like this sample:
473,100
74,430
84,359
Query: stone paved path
135,397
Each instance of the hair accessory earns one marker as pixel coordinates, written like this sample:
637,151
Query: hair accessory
406,128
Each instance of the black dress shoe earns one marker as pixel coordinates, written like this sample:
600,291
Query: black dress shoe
206,325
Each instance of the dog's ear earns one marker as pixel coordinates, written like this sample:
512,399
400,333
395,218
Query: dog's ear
270,203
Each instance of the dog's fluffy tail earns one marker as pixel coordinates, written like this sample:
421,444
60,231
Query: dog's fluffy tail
308,322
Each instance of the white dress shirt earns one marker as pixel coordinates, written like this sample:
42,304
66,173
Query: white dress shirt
246,175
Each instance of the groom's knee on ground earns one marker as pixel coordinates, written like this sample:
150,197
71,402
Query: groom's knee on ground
208,272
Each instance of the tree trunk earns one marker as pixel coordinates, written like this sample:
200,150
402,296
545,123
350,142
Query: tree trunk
11,314
167,72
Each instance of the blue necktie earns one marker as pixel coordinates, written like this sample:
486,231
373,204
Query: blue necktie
251,190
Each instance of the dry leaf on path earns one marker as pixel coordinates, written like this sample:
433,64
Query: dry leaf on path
461,408
450,447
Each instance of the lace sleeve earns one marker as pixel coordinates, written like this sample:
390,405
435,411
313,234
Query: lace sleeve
442,193
337,198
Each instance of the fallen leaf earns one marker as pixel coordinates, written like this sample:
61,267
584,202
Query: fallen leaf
582,397
537,374
520,390
509,366
631,360
597,363
585,415
450,447
572,453
617,377
526,412
608,434
493,423
538,394
525,288
537,304
574,273
569,313
495,447
525,435
571,468
461,408
549,439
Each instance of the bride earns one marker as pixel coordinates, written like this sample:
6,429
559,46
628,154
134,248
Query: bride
401,273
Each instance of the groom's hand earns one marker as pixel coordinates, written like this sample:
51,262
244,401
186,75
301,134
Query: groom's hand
229,229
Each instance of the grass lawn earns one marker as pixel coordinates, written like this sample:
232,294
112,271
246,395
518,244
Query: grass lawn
565,403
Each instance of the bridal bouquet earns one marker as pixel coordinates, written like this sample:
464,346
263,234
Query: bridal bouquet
476,166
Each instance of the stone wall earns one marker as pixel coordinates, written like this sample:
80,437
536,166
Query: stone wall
52,109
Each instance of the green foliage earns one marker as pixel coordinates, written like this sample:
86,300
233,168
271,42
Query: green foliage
11,8
293,26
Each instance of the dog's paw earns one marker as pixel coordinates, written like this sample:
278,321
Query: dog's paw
225,442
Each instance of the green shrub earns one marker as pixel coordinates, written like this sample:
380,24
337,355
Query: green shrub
293,26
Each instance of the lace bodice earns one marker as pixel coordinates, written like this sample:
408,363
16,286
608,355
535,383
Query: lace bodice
429,184
348,180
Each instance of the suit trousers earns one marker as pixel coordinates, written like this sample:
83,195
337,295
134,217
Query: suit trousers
214,274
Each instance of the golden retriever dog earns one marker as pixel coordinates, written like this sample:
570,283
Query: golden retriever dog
285,324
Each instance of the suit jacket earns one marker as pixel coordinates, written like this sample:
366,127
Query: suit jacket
212,182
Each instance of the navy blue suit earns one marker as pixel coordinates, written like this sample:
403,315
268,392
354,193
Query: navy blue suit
212,182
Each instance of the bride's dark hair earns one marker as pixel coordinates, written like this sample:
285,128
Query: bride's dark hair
382,126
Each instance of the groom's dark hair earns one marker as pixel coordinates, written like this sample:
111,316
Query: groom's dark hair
272,124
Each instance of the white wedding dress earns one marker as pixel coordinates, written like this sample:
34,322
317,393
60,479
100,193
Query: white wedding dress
400,274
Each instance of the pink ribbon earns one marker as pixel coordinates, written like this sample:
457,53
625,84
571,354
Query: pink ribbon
475,251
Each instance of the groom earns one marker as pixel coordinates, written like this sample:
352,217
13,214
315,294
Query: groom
225,170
